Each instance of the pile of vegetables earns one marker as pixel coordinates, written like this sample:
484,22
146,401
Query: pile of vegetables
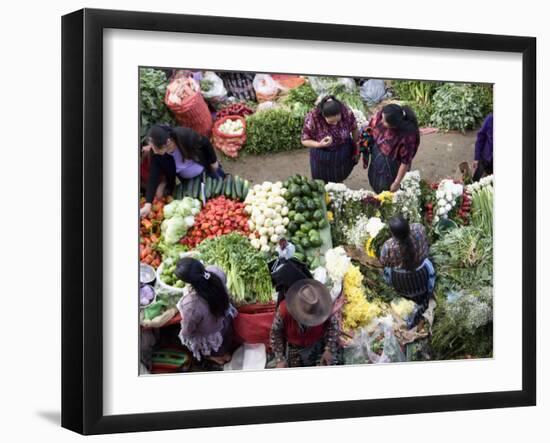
153,110
167,273
235,188
464,324
268,212
352,98
482,205
301,99
274,130
306,214
418,95
463,257
235,109
232,127
178,218
219,216
457,106
248,277
150,232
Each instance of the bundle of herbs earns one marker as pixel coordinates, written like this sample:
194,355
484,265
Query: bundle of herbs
152,89
350,98
248,277
463,259
274,130
464,324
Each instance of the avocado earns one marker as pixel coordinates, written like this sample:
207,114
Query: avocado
322,224
299,219
318,215
306,190
292,227
306,227
311,205
305,243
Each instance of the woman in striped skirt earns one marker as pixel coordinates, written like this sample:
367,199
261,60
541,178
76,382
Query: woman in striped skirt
330,131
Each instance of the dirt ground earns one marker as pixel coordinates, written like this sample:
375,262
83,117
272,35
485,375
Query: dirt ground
438,157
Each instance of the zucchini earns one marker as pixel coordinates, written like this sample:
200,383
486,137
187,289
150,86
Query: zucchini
196,187
239,187
246,187
208,187
234,189
187,187
228,186
219,184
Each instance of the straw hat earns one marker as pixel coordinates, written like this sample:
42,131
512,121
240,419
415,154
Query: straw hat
309,302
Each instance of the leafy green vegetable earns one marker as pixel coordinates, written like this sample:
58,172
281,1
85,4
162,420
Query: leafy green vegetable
458,106
463,259
351,98
482,209
464,324
152,89
274,130
248,277
302,95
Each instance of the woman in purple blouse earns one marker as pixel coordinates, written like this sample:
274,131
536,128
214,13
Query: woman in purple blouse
330,131
483,160
207,315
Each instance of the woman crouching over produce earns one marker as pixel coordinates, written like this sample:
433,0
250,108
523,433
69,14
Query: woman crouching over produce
206,313
405,258
176,152
304,333
331,132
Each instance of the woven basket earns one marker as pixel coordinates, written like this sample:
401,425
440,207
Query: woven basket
228,144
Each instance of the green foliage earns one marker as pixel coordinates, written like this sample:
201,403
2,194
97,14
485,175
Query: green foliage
274,130
152,89
484,96
459,106
303,94
351,98
418,95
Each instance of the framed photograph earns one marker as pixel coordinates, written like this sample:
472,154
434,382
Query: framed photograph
269,221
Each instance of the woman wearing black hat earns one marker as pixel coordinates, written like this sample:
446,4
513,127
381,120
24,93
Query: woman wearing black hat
304,333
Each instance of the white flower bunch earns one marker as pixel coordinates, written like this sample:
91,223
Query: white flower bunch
446,194
337,263
374,226
357,234
360,118
407,199
472,310
340,194
485,181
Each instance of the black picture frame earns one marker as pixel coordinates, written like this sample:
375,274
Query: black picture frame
82,173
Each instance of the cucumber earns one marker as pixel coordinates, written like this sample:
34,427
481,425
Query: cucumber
219,185
234,189
196,187
208,187
228,186
246,187
187,187
239,187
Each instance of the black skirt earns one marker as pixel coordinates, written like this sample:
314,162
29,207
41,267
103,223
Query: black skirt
331,164
382,170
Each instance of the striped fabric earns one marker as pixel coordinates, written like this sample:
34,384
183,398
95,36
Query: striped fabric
332,164
382,170
410,284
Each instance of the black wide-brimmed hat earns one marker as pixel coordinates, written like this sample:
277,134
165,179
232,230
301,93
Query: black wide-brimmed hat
309,302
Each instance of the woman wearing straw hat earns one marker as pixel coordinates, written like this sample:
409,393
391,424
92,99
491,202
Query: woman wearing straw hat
304,333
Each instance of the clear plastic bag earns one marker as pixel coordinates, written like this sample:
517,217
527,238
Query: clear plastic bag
356,351
266,88
217,92
321,85
373,91
247,357
382,344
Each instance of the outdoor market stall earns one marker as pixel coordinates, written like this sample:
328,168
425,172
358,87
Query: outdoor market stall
336,231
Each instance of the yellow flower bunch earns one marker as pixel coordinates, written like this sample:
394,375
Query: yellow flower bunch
402,307
357,310
327,198
369,248
330,216
385,197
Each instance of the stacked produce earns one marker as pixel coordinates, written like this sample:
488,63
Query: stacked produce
219,216
235,109
166,274
153,110
307,215
248,277
235,187
229,134
150,232
268,211
179,216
